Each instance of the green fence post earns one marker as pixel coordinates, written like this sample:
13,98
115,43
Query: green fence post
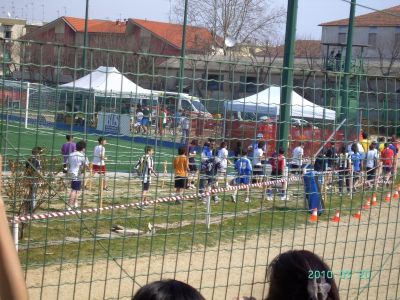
287,75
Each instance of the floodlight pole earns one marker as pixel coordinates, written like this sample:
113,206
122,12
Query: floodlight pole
85,37
347,66
182,58
287,75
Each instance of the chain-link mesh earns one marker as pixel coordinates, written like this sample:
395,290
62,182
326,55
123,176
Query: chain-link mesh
221,234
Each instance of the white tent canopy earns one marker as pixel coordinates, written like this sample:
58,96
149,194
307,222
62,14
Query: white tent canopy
268,102
107,81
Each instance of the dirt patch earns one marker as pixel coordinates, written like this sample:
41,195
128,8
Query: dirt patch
238,268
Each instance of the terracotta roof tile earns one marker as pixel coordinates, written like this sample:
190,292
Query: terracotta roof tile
197,38
304,49
372,19
78,24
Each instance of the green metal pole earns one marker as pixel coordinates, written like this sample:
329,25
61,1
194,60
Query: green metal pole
85,37
347,64
287,75
182,59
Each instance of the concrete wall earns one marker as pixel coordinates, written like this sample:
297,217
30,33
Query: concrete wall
385,38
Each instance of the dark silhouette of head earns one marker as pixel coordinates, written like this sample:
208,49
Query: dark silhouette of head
293,276
167,290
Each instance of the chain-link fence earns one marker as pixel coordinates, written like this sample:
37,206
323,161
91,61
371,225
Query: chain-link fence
224,225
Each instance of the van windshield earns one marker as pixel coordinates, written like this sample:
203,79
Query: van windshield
199,106
249,116
149,102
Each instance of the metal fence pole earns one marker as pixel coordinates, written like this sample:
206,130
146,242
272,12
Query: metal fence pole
287,75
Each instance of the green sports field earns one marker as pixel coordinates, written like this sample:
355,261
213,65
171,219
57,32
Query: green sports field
17,143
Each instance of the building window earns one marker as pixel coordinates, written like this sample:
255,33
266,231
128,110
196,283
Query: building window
372,39
215,82
248,84
7,31
342,37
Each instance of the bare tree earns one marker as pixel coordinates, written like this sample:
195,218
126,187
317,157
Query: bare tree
389,54
243,20
263,58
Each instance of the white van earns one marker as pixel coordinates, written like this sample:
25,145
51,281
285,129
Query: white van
189,103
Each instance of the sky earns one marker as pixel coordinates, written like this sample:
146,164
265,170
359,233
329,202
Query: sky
310,12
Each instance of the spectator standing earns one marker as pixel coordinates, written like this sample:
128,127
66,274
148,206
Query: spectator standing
206,153
258,155
138,122
66,149
185,125
77,162
211,141
222,154
177,120
260,138
281,164
146,122
371,164
396,146
381,144
356,158
208,176
192,161
297,157
181,167
320,166
163,120
364,141
332,156
146,170
387,158
238,151
99,165
33,168
243,168
273,161
344,165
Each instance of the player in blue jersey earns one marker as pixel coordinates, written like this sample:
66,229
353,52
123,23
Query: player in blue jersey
244,169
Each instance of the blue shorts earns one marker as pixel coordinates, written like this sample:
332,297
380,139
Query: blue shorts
145,121
242,180
76,185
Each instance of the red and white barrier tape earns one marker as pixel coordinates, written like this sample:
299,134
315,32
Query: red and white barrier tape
60,214
51,215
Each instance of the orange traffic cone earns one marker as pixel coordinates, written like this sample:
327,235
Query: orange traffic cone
387,198
336,218
367,204
314,215
396,195
374,202
357,215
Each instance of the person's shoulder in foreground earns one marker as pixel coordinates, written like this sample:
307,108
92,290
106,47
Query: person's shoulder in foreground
169,289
